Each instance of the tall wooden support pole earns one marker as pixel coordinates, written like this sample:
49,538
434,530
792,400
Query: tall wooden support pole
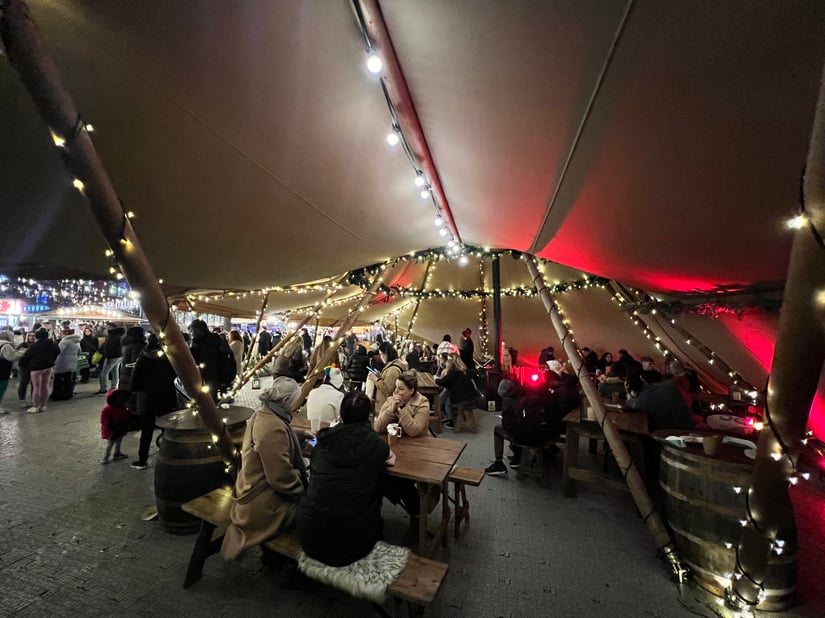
496,267
611,434
251,354
347,324
418,299
29,57
797,363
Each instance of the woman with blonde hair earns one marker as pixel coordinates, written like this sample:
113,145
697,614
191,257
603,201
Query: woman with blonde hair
458,387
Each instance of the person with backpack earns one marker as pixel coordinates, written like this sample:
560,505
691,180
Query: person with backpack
112,351
214,357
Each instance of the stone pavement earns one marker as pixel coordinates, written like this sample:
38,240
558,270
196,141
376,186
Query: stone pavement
74,541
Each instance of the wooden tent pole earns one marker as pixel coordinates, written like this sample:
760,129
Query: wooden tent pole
797,363
347,324
611,434
251,354
28,55
277,348
496,267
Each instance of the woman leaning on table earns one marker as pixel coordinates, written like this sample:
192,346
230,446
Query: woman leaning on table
406,406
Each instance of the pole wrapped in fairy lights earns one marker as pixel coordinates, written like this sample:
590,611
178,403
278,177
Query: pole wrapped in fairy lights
29,57
797,363
630,473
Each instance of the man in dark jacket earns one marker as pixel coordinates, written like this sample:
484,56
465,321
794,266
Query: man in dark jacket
132,345
208,351
357,367
466,350
264,342
39,359
153,382
339,519
112,350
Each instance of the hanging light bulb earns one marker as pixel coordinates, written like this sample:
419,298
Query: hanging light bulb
375,64
439,221
463,260
442,231
393,137
419,179
796,222
425,193
451,244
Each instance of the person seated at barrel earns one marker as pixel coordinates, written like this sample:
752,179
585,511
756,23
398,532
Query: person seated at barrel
665,403
458,388
272,478
339,519
411,410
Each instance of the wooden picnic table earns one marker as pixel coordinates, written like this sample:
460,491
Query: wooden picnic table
632,426
428,461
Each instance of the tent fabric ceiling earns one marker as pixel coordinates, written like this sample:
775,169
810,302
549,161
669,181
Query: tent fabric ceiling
249,140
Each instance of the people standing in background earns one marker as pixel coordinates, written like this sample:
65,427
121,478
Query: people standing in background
385,382
112,350
264,342
25,376
466,350
306,340
153,383
237,347
414,357
132,347
89,344
458,388
114,424
39,360
357,367
65,368
7,356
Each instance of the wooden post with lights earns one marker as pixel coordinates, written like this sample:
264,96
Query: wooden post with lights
611,434
797,364
348,322
251,354
29,57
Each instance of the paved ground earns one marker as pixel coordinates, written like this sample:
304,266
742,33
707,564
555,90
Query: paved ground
74,541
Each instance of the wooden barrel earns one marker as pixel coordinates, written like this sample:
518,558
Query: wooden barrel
705,513
190,465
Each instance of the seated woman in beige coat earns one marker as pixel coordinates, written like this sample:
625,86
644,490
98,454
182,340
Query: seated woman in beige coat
272,478
406,406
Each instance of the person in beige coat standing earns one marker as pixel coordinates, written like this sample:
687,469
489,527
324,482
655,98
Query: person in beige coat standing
272,478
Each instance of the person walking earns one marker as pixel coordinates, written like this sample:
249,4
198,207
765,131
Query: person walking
88,346
112,350
114,424
39,359
153,384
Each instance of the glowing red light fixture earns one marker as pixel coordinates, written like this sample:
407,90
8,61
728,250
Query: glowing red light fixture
534,377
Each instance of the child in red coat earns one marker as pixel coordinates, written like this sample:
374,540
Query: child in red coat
114,423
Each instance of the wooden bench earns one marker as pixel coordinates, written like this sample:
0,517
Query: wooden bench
417,584
461,477
531,461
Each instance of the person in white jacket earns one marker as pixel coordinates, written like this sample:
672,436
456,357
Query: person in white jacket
324,402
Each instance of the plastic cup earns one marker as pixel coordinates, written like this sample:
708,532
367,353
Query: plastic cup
710,444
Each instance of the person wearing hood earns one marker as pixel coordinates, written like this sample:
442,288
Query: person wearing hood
393,368
132,345
112,350
290,361
324,402
208,349
357,367
273,477
88,345
65,368
153,384
39,360
339,519
7,356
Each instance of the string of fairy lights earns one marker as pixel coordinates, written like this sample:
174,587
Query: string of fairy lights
69,293
484,341
396,138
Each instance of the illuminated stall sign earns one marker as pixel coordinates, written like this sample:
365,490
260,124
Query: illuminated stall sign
11,306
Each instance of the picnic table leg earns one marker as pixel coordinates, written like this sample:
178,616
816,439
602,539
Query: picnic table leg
423,517
445,513
203,549
571,458
437,410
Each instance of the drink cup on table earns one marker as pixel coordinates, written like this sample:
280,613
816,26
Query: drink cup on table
710,444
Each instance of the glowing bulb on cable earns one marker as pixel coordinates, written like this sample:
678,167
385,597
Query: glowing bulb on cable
419,180
451,244
78,184
463,260
374,63
442,232
393,139
438,221
796,223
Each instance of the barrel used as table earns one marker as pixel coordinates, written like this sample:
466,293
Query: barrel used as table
189,463
704,500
